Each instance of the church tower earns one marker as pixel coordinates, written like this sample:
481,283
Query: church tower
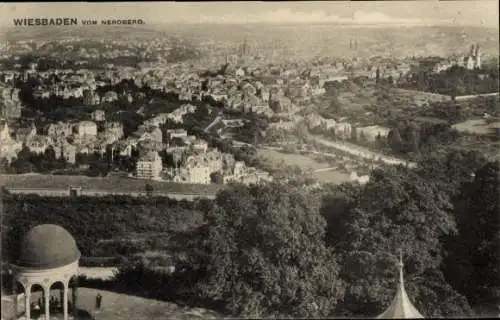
478,57
472,50
401,306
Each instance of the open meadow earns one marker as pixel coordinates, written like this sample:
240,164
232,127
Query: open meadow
476,126
305,163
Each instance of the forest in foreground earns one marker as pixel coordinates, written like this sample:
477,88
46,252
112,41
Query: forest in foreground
275,249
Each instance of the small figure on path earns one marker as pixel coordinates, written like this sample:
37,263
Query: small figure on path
98,301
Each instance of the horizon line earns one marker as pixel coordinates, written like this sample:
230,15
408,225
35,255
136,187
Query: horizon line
270,23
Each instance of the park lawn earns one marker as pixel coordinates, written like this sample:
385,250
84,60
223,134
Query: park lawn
332,176
304,162
476,126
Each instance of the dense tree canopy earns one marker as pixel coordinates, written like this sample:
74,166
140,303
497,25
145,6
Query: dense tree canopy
253,129
455,81
396,209
266,254
408,137
451,170
92,219
279,250
473,262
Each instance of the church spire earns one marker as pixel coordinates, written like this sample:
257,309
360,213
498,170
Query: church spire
401,306
400,267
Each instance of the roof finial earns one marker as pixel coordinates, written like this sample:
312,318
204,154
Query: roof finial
400,267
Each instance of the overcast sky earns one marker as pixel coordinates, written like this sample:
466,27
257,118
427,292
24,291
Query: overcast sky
462,13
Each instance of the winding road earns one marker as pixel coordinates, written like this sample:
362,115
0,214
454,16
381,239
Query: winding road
362,152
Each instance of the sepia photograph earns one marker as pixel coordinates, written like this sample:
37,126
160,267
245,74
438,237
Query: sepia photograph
249,160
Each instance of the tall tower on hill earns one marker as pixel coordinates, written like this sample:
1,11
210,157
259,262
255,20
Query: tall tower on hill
477,55
244,49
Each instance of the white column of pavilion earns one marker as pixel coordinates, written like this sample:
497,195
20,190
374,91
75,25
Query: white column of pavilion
45,278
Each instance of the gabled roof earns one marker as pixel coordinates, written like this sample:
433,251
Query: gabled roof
401,306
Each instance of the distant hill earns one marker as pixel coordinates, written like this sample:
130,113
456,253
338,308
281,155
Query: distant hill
286,40
88,32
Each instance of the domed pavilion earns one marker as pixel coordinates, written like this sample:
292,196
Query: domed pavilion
48,255
401,306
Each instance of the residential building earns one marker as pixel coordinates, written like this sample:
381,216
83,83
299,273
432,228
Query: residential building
60,129
343,130
178,114
189,140
318,91
149,166
98,115
185,94
86,128
39,144
157,120
90,97
176,133
253,176
371,133
239,72
284,125
113,131
149,133
176,149
150,145
24,135
10,105
199,145
315,120
110,96
125,147
363,179
233,123
8,146
65,151
195,174
235,173
5,132
332,78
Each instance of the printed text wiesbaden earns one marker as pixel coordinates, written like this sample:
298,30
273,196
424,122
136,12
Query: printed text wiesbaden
71,22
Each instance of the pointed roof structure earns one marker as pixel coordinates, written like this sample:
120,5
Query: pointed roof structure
401,306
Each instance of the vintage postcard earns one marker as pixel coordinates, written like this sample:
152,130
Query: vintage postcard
315,159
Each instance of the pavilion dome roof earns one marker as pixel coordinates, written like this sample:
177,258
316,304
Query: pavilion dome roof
47,246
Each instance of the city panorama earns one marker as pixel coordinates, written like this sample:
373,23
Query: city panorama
250,160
